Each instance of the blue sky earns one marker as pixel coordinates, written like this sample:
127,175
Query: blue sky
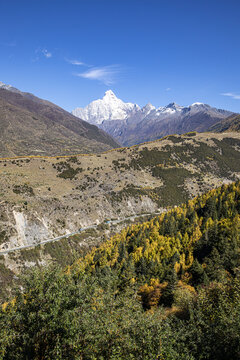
158,51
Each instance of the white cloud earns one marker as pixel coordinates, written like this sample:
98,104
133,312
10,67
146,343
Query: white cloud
168,89
75,62
105,74
232,95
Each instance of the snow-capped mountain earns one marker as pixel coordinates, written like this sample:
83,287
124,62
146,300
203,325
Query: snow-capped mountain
129,124
111,108
107,108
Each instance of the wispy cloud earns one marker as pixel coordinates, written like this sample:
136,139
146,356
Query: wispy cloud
42,52
105,74
232,95
76,62
168,89
46,53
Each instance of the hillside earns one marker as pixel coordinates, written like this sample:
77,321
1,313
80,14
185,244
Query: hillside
42,198
32,126
130,124
167,289
230,124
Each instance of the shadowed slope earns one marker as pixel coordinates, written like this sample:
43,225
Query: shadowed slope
232,123
31,126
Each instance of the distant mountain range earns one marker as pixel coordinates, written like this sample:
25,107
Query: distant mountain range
130,124
32,126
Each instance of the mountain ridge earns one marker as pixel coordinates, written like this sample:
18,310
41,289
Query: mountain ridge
130,124
232,123
32,126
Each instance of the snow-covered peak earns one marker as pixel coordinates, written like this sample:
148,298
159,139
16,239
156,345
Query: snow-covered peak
174,106
110,107
110,100
107,108
109,94
5,86
8,87
148,108
197,104
169,109
2,85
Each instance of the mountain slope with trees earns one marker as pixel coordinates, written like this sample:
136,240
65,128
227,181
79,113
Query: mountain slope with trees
43,198
167,289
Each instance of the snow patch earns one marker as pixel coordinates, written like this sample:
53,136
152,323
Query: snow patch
197,104
8,87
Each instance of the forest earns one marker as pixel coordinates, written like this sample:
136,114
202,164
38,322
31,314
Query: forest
166,289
